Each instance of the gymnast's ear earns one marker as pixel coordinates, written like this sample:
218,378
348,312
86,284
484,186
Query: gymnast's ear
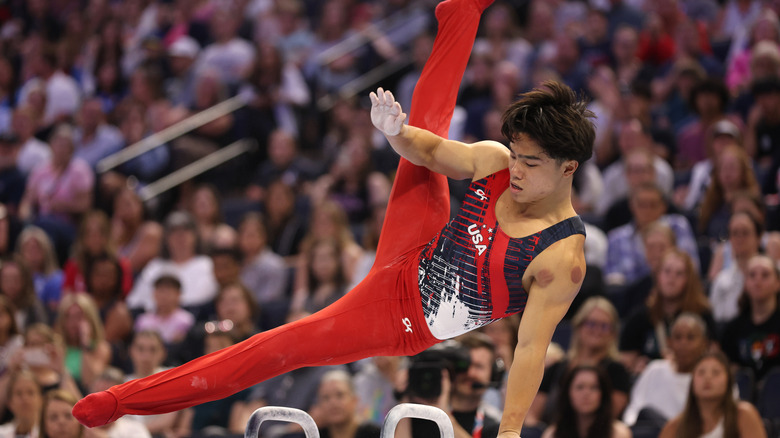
569,167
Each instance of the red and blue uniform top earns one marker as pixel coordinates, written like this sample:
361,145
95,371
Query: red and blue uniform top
471,273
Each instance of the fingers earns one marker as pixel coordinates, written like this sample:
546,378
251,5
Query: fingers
382,97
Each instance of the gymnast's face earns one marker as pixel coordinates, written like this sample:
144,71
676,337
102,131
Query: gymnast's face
534,175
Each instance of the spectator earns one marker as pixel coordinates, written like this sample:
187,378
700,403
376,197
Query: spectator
206,210
182,259
639,170
711,409
594,342
352,182
87,353
468,390
626,262
285,162
94,138
677,289
709,99
36,250
145,168
749,339
56,419
210,418
11,178
8,85
59,191
210,89
336,408
657,239
236,313
104,284
226,259
721,134
585,408
326,282
32,151
16,284
632,136
136,238
504,335
63,95
94,240
764,64
123,427
277,86
652,407
328,221
732,173
168,319
765,28
761,133
263,272
182,55
10,337
745,233
374,386
44,356
147,353
24,402
229,54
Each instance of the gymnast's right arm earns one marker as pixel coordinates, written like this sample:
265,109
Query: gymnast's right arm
451,158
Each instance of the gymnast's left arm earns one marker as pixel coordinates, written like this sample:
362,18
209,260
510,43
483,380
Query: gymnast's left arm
557,277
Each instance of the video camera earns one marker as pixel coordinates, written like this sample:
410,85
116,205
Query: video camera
425,369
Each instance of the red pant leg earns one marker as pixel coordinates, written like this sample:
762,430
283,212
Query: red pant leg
382,316
419,203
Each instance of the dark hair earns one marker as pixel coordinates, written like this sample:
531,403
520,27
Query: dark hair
49,397
758,227
117,293
246,294
473,340
8,307
167,280
230,251
566,423
709,86
338,248
691,423
556,119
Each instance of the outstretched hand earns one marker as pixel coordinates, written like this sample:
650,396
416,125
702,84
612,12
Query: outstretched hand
386,113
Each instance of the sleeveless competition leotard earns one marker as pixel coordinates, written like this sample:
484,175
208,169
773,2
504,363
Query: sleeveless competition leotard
381,316
471,273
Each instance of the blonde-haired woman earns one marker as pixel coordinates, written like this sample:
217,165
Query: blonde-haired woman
24,401
56,418
87,353
593,342
37,250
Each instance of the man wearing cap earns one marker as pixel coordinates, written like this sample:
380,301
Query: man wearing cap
722,133
182,54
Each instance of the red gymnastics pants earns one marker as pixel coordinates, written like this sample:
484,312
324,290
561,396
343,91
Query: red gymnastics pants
382,316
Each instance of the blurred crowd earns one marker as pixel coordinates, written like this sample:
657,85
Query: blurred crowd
99,285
